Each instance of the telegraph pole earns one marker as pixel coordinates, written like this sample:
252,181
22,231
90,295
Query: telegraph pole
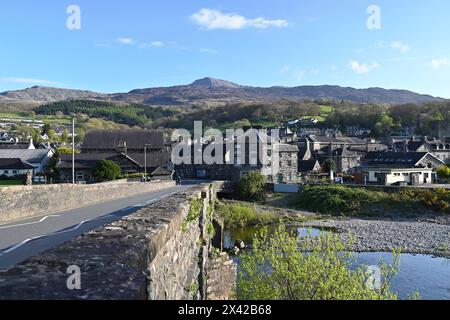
73,150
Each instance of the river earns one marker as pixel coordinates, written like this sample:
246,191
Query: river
426,274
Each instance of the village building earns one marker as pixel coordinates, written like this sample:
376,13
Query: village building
14,167
400,168
254,150
135,151
38,158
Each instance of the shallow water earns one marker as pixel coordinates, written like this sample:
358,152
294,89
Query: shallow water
426,274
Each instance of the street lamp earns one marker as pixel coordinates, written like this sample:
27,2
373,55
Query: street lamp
145,159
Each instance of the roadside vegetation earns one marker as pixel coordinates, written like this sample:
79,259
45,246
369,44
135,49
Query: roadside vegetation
278,268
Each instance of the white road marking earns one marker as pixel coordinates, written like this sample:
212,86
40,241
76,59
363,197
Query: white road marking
29,223
17,246
67,230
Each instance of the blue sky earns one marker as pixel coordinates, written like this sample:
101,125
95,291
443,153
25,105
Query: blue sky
123,45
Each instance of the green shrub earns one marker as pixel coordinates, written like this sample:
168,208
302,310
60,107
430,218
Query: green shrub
252,187
335,199
241,215
279,269
352,201
106,170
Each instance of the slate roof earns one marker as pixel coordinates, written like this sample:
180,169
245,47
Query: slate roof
31,156
112,139
15,164
286,148
394,159
155,159
12,146
306,165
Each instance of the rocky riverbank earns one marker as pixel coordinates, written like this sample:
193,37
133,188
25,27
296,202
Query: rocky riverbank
415,235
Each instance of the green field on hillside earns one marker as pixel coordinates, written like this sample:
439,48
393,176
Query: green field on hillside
47,119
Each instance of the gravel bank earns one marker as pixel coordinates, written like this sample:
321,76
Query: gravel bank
415,235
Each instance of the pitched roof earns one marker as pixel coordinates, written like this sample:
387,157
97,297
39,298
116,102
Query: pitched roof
155,159
112,139
32,156
282,147
14,145
395,159
307,165
88,160
15,164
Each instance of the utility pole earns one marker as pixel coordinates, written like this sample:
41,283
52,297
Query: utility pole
73,149
145,160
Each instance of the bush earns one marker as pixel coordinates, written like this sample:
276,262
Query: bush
252,187
334,199
350,201
106,170
279,269
443,172
241,215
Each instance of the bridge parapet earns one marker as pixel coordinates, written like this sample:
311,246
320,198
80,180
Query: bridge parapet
160,252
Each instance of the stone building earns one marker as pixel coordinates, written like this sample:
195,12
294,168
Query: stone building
135,151
254,150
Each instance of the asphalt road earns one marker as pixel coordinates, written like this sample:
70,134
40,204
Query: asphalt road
22,240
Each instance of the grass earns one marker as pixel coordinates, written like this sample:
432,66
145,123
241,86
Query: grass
240,214
9,183
25,116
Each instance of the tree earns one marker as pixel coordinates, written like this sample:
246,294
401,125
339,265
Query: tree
278,268
443,172
329,165
106,170
252,187
51,134
46,129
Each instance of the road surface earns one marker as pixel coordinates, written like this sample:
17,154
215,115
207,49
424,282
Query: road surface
22,240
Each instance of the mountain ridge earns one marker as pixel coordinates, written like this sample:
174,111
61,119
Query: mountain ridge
216,91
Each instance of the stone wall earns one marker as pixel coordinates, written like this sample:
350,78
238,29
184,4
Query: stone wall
160,252
24,202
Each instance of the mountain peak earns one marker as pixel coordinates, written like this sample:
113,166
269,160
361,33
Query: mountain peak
214,83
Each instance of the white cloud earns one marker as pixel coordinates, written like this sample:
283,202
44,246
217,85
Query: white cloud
398,45
440,63
333,68
213,19
126,40
361,68
208,50
157,44
286,68
299,74
29,81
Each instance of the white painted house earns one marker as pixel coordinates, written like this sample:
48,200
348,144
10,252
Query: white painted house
401,168
38,158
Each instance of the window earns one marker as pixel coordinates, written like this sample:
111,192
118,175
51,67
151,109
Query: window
80,176
6,172
14,172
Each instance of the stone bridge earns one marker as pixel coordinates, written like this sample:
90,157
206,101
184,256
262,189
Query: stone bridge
160,252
